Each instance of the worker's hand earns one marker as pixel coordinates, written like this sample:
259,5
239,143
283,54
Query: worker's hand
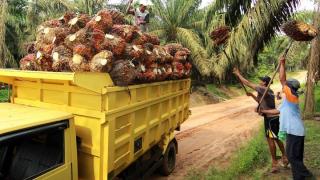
282,59
258,110
279,96
236,71
249,94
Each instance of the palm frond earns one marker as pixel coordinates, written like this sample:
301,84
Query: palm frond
161,33
256,28
234,10
190,39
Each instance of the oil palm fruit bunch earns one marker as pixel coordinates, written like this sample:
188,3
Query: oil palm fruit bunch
61,56
220,35
299,31
104,43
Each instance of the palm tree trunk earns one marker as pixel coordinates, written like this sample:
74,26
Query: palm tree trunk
3,9
313,65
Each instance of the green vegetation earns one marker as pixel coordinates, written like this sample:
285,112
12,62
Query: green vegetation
312,145
216,91
3,95
253,160
316,95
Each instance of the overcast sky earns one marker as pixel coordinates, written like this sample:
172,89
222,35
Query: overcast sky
304,5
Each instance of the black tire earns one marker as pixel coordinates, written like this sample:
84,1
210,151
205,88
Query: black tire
169,160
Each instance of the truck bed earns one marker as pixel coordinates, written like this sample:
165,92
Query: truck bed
116,125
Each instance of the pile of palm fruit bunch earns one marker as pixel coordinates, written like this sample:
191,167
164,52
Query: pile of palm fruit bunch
104,43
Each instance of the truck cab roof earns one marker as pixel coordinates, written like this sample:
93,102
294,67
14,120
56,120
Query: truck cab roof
14,117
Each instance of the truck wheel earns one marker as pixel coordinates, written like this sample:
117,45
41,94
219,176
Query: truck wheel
169,160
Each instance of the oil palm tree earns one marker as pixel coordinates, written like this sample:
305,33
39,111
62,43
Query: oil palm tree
257,26
90,6
18,21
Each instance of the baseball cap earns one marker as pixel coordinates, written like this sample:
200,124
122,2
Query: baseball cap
265,79
293,83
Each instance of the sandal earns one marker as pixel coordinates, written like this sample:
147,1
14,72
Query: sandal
274,169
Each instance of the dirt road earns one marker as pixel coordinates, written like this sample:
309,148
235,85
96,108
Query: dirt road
214,132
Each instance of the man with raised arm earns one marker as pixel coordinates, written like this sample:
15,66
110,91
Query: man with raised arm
291,125
141,15
271,121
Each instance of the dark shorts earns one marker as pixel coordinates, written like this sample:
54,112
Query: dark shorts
271,127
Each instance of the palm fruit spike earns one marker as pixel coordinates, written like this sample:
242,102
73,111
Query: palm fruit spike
115,44
178,70
220,35
172,48
134,52
67,17
80,37
142,38
126,32
102,21
101,62
97,39
79,64
187,67
181,56
29,63
52,35
44,61
299,31
83,50
61,57
123,73
44,49
169,70
117,17
78,22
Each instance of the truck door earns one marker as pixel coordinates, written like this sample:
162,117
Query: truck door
36,153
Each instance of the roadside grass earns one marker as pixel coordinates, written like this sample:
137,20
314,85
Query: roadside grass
216,91
254,155
312,146
3,95
253,160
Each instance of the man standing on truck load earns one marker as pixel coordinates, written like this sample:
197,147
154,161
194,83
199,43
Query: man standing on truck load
271,122
141,16
291,124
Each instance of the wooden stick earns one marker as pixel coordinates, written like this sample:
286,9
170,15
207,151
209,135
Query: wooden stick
274,74
128,7
243,86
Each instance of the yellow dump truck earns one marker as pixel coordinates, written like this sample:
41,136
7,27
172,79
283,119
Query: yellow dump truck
81,126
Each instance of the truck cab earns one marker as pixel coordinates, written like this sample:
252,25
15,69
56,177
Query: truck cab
36,143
